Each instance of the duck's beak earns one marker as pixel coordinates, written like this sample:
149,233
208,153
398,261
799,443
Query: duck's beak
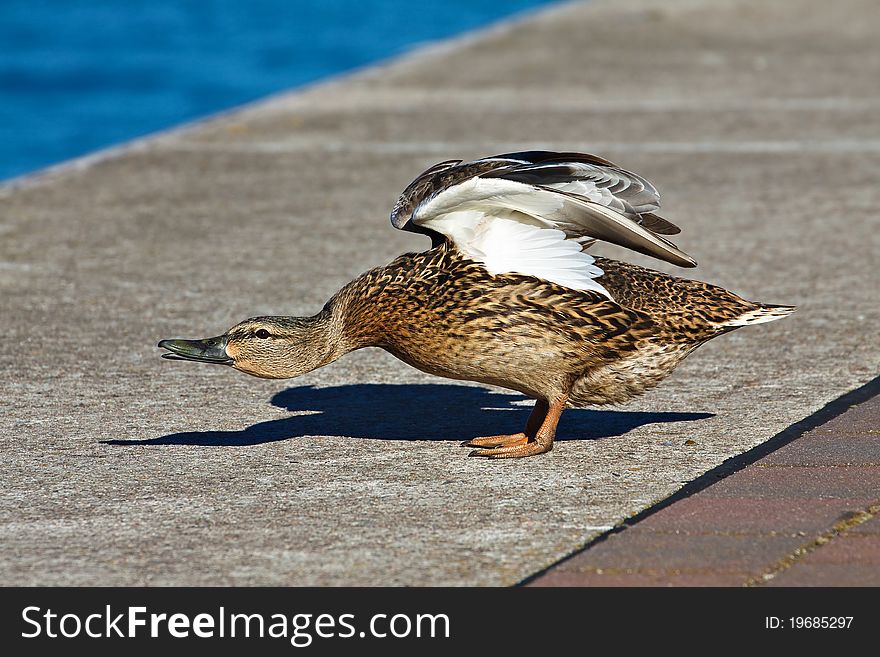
209,350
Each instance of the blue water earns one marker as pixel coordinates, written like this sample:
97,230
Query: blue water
78,75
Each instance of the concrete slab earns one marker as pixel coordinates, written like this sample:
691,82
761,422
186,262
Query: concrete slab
756,121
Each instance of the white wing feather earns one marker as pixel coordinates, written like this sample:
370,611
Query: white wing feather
511,226
505,243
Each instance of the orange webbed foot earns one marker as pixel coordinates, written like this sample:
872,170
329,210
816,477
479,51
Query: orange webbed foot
536,439
503,440
516,451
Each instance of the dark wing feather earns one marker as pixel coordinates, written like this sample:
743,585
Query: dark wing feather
630,194
539,157
657,224
434,181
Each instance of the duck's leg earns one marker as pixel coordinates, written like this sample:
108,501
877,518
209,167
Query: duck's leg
540,443
536,418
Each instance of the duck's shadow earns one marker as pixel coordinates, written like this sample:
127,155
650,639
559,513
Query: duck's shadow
411,412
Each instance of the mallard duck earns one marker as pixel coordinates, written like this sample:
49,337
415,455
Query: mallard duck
508,295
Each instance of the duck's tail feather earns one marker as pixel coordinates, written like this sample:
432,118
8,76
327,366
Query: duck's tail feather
763,313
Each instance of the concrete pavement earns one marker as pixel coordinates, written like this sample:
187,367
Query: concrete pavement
757,121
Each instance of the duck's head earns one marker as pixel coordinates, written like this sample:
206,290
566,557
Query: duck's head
268,347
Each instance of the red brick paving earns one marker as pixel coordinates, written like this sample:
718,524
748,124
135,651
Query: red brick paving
849,548
819,482
642,577
831,448
872,526
827,574
741,515
784,520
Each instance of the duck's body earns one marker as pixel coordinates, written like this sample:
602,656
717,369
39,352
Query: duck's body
442,313
504,299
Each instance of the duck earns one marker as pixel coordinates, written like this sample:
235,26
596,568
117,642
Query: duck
508,294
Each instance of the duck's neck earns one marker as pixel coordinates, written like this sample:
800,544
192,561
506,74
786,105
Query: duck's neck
342,326
354,315
321,340
311,342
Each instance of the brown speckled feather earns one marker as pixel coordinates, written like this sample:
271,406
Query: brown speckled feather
444,314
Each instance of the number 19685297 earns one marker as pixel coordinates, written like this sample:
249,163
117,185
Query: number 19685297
808,622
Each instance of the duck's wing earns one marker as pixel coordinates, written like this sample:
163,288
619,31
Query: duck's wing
593,179
533,213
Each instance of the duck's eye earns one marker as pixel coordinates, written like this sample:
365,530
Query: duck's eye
262,333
